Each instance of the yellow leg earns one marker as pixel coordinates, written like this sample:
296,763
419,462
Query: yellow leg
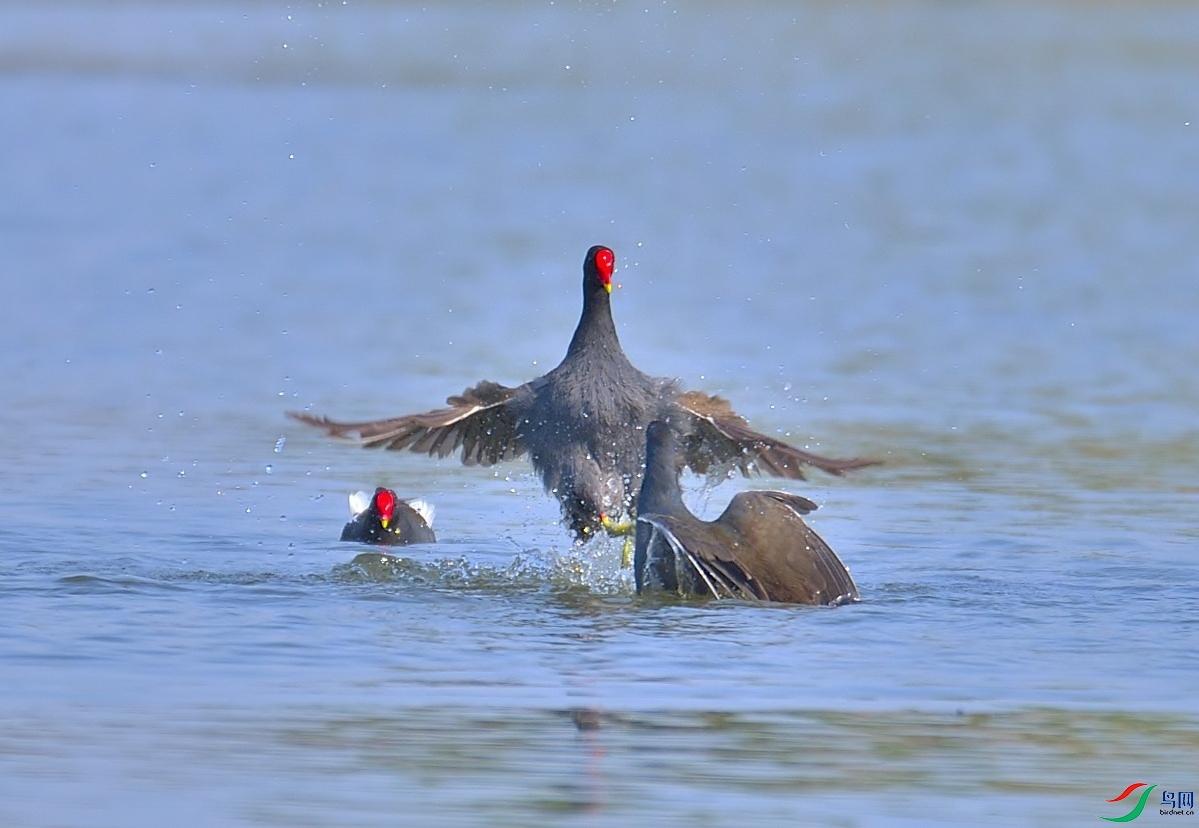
618,529
625,530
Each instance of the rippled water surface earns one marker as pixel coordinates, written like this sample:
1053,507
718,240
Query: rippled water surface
957,237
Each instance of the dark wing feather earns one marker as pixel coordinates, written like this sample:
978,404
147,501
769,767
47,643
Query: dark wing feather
716,437
703,547
792,563
482,421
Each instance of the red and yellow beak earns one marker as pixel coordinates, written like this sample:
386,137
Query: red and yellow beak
605,265
385,504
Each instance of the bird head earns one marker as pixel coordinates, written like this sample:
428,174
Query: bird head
385,505
600,264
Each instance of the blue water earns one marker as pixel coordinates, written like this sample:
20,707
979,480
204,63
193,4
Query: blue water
960,238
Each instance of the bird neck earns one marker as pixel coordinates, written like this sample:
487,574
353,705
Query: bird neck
596,328
660,490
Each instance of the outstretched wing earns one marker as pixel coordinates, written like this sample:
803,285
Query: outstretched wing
482,421
791,562
716,437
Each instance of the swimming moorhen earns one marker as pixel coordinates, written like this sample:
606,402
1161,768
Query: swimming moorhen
759,548
583,424
386,520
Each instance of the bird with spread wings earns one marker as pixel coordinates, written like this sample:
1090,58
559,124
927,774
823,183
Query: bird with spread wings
582,425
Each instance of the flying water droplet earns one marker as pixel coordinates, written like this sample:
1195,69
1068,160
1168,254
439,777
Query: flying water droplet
280,443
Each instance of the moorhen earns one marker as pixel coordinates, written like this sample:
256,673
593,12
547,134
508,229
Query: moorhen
758,549
386,520
582,424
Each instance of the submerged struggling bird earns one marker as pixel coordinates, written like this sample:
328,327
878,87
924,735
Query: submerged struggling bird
583,424
759,548
384,519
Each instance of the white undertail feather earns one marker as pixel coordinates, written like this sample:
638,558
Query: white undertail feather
424,509
359,503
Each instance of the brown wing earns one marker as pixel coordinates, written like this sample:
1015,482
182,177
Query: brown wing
705,547
787,558
481,420
718,437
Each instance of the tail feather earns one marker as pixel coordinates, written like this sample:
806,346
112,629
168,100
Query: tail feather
424,509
